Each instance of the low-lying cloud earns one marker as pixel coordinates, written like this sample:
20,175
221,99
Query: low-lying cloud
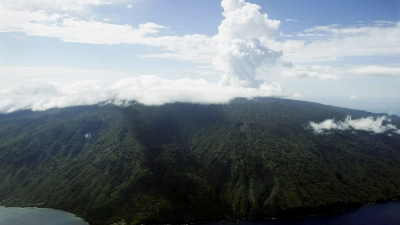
148,90
369,124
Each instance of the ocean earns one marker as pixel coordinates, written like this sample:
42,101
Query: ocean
36,216
371,214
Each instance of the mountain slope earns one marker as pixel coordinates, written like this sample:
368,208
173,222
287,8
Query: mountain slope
187,162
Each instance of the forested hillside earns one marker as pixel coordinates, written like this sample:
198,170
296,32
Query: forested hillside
188,162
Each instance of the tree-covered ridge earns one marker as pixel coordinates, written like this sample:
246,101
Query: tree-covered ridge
187,162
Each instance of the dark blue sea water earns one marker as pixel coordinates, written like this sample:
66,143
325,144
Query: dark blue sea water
374,214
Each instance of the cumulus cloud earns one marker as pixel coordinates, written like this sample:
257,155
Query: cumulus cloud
240,51
237,50
369,124
56,19
148,90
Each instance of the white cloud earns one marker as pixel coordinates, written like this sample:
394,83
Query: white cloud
297,95
50,95
149,90
28,74
353,97
318,72
238,42
57,5
236,49
48,18
129,6
377,71
329,43
197,48
246,41
72,29
291,20
365,124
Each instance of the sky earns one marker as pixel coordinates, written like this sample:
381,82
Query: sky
60,53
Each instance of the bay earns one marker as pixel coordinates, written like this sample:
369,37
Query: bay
36,216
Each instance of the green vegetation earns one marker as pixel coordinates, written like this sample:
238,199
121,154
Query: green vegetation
180,163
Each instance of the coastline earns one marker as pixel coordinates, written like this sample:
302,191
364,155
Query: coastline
286,215
48,209
281,216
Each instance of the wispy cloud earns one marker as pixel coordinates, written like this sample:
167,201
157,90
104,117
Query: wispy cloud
384,71
72,29
68,6
291,20
315,71
329,43
30,18
228,49
47,18
369,124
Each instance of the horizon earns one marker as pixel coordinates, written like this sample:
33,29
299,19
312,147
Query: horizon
58,54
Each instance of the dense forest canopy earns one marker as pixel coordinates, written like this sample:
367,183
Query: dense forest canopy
183,162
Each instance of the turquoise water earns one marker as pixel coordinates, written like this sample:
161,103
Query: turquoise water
35,216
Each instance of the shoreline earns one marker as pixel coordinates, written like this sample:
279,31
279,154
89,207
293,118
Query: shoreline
291,214
279,218
47,209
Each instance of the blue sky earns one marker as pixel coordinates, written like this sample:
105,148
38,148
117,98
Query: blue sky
57,53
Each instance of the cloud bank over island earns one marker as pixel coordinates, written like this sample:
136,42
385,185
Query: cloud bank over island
148,90
369,124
